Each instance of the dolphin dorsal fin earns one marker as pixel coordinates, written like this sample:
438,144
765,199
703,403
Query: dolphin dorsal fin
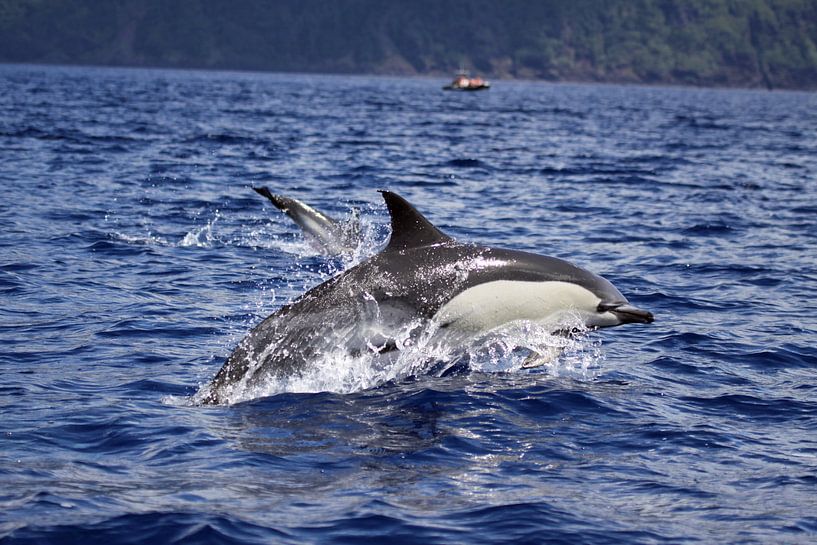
409,228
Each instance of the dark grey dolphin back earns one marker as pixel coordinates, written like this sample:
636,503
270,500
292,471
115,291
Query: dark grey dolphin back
415,240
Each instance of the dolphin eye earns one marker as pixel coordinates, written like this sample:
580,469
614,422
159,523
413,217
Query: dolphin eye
604,307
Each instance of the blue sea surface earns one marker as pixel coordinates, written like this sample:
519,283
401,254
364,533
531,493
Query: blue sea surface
134,256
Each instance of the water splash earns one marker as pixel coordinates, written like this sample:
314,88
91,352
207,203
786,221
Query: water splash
528,346
519,347
373,234
201,237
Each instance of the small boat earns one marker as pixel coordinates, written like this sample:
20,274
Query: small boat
462,82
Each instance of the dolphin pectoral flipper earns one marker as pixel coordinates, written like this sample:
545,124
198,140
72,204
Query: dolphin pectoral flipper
539,358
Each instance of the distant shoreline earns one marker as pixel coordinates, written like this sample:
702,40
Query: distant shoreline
437,77
758,44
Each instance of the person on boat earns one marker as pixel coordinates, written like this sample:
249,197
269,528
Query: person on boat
461,81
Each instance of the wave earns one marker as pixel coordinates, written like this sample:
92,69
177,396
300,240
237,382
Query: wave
161,526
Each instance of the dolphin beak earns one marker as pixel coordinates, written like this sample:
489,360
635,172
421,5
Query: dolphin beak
629,314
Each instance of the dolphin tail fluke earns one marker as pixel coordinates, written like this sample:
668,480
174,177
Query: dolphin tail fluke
282,203
331,235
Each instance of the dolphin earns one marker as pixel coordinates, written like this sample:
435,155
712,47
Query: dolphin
422,277
330,235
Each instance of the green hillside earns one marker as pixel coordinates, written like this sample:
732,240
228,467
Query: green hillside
754,43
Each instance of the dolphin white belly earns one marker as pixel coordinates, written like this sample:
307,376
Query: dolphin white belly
485,307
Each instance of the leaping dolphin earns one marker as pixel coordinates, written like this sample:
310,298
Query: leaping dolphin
422,277
330,235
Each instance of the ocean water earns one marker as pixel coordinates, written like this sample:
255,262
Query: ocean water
134,256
